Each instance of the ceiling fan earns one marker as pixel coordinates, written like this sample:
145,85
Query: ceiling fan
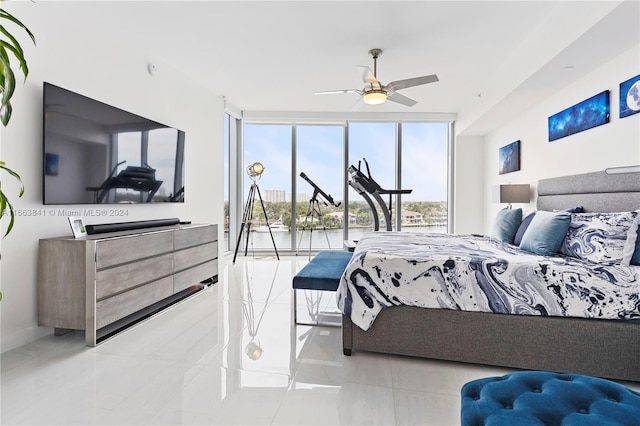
375,93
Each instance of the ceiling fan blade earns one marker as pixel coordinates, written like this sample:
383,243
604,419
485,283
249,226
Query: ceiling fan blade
333,92
359,103
410,82
368,77
401,99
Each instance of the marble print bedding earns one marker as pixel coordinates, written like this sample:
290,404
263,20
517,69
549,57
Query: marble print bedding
476,273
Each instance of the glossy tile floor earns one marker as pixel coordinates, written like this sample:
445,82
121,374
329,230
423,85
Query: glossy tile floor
229,355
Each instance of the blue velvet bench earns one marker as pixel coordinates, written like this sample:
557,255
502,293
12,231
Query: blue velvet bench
323,273
544,398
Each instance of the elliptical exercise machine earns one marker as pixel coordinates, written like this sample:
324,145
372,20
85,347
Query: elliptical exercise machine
367,187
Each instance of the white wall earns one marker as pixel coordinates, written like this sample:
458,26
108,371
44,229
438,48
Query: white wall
77,58
616,143
468,193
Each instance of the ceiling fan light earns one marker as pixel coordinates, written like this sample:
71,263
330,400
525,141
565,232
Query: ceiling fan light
375,97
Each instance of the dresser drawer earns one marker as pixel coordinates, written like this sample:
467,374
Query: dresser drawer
119,306
194,236
192,276
115,251
193,256
120,278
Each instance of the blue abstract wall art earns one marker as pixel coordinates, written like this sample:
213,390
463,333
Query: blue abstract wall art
585,115
51,164
630,97
509,158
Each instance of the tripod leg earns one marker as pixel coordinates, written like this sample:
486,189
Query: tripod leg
245,216
267,220
304,226
235,253
250,203
324,228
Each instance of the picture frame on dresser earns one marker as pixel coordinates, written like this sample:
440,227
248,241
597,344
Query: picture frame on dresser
77,227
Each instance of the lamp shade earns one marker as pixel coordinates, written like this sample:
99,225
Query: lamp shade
375,97
255,170
511,193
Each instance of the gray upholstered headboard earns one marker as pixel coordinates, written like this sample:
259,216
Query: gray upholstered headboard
596,192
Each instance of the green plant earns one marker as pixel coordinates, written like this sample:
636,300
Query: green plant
4,201
9,44
10,47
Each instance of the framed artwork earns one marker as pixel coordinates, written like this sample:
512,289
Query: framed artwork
77,227
51,164
630,97
509,158
585,115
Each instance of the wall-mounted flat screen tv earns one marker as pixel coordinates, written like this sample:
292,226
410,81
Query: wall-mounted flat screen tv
95,153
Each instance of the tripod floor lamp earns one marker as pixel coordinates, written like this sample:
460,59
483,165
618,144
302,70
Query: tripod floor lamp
255,172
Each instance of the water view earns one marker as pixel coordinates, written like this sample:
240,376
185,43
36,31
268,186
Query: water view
319,238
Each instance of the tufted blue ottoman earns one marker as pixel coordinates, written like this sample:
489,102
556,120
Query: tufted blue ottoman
544,398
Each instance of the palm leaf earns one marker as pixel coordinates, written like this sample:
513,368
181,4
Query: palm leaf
4,201
15,47
4,204
9,83
4,167
5,113
6,15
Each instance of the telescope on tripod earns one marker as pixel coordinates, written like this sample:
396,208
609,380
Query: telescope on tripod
314,210
319,191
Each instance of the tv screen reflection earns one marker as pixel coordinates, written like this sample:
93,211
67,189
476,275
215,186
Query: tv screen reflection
95,153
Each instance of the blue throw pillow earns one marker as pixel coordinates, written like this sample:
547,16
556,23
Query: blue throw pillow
526,221
577,209
632,245
546,232
506,224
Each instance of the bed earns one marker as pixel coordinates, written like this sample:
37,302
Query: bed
601,339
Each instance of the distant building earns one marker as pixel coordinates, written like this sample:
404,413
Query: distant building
302,198
409,217
338,217
275,196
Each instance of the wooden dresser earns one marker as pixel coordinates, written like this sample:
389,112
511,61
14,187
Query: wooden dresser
99,283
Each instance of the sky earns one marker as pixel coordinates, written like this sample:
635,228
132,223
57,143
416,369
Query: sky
320,155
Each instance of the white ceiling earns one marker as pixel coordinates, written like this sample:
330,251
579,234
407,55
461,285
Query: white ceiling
492,57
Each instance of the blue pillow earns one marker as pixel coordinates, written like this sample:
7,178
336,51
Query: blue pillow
506,224
546,232
577,209
635,260
526,221
632,245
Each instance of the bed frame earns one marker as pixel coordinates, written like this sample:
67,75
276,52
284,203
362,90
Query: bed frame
603,348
